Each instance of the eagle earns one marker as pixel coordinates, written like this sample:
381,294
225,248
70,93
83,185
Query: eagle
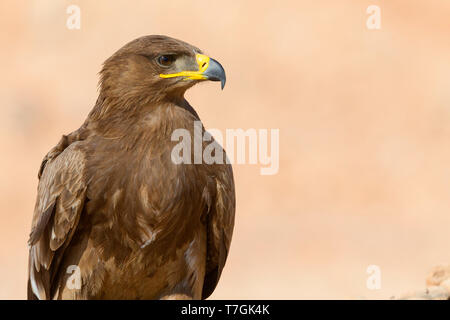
116,217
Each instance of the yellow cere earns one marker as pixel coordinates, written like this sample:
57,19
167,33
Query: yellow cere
203,64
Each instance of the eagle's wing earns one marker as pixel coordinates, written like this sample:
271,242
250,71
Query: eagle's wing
60,201
220,224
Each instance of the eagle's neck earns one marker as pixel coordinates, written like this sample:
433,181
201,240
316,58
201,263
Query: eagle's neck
117,117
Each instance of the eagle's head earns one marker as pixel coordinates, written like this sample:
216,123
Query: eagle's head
154,67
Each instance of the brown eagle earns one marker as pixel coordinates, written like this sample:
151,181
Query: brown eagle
116,217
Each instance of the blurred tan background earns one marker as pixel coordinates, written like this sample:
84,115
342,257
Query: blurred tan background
364,119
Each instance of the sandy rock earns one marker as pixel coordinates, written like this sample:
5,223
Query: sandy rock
438,275
437,286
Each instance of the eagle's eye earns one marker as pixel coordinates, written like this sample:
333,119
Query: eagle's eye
166,60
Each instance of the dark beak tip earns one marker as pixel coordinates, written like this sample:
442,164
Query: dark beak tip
222,83
215,72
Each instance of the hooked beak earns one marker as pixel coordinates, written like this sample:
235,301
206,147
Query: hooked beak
208,69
